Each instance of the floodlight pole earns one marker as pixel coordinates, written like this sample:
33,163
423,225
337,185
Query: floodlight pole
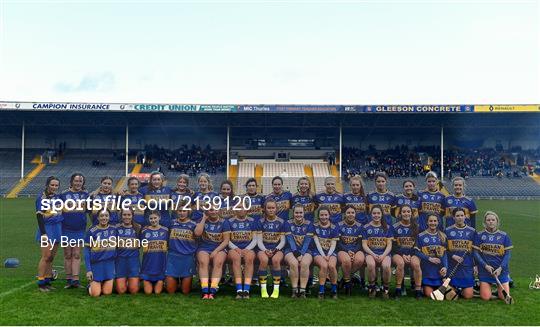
127,150
442,153
340,149
228,149
22,150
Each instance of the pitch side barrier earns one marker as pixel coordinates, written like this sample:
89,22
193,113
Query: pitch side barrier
171,107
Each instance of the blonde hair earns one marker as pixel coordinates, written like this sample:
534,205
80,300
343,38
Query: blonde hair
207,177
494,214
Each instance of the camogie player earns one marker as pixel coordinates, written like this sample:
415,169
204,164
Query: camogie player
405,232
377,244
134,197
107,199
459,200
241,248
182,248
408,198
158,197
492,253
256,200
99,254
271,240
50,230
431,202
202,199
350,255
181,193
281,198
325,236
304,196
460,251
331,199
74,228
214,233
430,248
299,233
357,199
382,197
154,259
127,263
228,203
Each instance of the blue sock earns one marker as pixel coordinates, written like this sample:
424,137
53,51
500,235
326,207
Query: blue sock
213,290
69,281
205,290
47,281
334,288
247,287
239,287
41,282
321,288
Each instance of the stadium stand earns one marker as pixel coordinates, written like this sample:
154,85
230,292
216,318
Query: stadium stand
10,167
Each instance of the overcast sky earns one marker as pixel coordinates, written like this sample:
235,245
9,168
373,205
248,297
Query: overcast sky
289,52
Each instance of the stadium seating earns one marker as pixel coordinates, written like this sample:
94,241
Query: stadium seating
10,167
246,170
320,172
289,171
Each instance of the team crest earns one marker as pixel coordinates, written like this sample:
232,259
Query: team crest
374,198
323,197
426,239
450,201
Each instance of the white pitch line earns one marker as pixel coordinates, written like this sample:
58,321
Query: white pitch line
13,290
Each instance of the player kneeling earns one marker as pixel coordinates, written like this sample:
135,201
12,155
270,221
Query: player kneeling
492,253
154,238
99,255
127,254
299,233
181,255
214,233
325,238
377,244
431,249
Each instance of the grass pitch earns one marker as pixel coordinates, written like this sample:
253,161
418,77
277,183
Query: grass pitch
22,304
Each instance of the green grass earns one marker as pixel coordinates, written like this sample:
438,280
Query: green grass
22,304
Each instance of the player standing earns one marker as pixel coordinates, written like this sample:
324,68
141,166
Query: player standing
357,199
331,199
408,198
202,199
431,202
158,197
50,230
281,198
133,195
459,200
304,196
382,197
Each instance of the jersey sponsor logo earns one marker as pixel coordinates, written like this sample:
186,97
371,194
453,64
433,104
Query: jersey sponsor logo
377,242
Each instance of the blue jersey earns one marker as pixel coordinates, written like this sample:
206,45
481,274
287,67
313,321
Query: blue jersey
162,198
377,238
325,234
182,237
212,235
98,247
179,197
404,239
334,202
494,250
431,246
350,236
256,202
467,204
243,231
430,203
50,216
272,231
108,201
307,202
155,252
461,240
402,200
283,203
128,239
200,201
138,210
386,200
74,220
299,236
359,204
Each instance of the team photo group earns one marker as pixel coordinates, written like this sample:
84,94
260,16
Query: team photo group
216,235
